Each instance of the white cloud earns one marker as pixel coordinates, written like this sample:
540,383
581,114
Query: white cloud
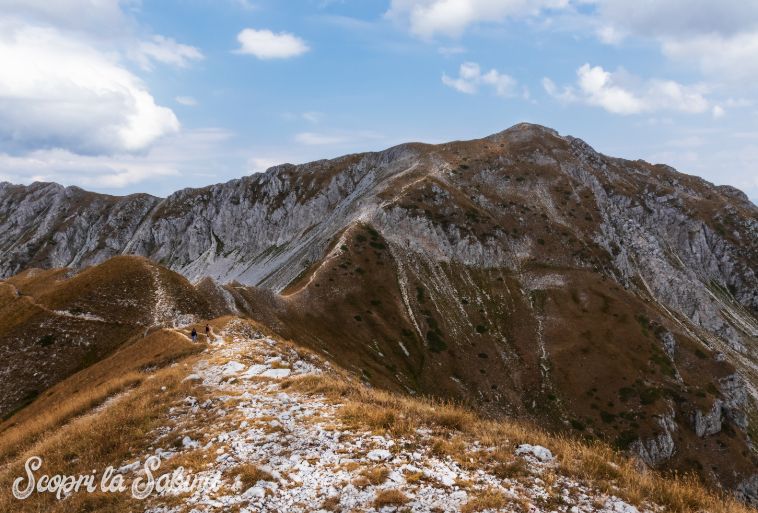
265,44
470,79
428,18
720,38
59,165
679,18
621,93
175,155
336,138
723,57
610,35
166,51
312,117
187,101
58,92
317,139
718,111
261,164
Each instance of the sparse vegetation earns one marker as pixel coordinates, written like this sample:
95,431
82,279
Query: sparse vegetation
488,500
390,497
596,463
250,474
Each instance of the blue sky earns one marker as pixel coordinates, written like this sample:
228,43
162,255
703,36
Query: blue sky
126,96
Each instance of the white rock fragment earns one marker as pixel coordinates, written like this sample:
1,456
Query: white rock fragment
379,455
254,492
231,368
616,505
254,370
189,443
541,453
276,373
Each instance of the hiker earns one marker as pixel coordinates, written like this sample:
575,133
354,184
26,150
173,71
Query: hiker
208,332
194,335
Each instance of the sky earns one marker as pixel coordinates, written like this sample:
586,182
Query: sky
123,96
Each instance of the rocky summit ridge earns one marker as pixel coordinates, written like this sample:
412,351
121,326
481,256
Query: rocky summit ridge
524,274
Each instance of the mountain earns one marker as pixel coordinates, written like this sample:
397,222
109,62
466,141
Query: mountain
523,274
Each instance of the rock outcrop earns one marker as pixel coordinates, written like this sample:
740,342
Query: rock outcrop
708,423
658,449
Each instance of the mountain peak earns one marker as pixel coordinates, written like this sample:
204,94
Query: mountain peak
524,131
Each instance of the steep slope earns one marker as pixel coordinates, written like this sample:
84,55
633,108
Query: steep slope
57,322
523,273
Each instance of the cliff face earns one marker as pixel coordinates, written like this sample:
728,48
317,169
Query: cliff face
524,273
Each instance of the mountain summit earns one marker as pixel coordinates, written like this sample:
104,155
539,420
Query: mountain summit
523,274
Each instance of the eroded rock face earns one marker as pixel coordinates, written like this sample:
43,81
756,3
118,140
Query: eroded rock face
736,400
658,449
708,423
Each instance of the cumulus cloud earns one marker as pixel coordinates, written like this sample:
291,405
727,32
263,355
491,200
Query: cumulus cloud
57,92
621,93
166,51
429,18
265,44
470,78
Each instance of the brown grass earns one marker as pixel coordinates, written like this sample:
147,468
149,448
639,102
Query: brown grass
390,497
96,441
331,503
488,499
89,388
250,474
376,475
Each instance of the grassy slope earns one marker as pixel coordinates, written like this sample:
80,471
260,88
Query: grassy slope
56,323
104,436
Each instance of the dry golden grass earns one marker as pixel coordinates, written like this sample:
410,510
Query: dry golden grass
376,475
250,474
488,499
95,441
331,503
597,464
390,497
18,436
89,388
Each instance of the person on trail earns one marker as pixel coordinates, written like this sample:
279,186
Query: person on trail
194,335
208,332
